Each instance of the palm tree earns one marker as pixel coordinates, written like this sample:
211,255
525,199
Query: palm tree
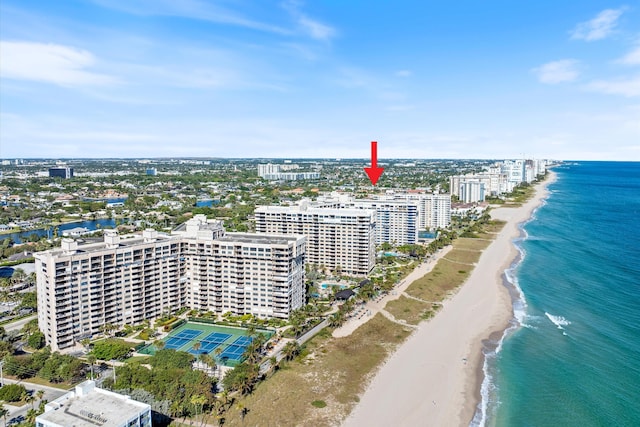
337,319
208,361
18,276
196,347
273,361
40,394
158,344
243,410
91,359
31,416
198,400
30,399
291,350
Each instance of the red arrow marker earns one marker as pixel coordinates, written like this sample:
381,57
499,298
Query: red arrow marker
374,171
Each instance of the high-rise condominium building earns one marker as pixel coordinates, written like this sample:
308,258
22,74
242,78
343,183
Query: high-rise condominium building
338,239
125,280
396,220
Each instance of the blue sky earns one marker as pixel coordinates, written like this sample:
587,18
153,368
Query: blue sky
262,78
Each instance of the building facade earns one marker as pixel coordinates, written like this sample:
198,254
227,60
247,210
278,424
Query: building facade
64,173
128,279
338,239
396,220
90,406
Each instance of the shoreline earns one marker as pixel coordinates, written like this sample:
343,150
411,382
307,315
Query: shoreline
495,339
445,353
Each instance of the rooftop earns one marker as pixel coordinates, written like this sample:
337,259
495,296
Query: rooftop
89,406
271,239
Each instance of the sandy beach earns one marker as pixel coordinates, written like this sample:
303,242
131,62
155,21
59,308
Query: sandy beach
434,378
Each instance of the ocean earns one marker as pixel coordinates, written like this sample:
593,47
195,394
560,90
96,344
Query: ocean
572,357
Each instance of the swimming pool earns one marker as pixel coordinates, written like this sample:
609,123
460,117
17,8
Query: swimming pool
328,285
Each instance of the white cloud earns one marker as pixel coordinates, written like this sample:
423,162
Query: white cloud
631,58
309,26
50,63
599,27
404,73
192,9
626,87
315,29
565,70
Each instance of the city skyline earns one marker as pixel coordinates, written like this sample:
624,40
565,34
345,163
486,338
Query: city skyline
292,79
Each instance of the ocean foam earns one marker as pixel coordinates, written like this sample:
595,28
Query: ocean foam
559,321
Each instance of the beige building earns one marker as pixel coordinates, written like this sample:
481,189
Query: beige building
127,279
338,239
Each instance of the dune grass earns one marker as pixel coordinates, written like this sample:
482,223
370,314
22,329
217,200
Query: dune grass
410,310
335,371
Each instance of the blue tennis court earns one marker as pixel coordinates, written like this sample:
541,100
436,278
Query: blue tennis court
188,334
175,343
216,337
208,339
236,349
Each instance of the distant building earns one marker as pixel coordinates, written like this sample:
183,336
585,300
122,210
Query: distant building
76,232
90,406
151,171
471,191
273,172
64,173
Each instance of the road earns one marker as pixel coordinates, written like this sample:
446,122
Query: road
18,413
18,324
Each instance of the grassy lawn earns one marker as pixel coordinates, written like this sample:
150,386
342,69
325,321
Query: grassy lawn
335,371
465,243
139,359
464,256
494,226
41,381
444,278
408,309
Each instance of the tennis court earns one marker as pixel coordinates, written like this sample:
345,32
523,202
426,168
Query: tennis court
225,344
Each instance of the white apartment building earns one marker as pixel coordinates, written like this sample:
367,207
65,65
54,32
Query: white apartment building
125,280
434,210
396,220
273,172
471,191
90,406
341,239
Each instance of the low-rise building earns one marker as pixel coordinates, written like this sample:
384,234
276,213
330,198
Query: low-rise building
90,406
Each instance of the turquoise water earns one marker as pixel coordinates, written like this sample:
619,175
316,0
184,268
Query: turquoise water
574,357
331,285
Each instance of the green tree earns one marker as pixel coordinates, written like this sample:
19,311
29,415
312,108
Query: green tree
19,276
91,358
29,300
31,416
111,349
36,340
291,350
170,358
12,392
